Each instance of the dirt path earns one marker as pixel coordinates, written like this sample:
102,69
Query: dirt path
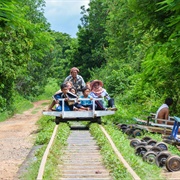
17,139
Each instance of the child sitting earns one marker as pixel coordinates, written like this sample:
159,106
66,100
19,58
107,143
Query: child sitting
64,94
85,104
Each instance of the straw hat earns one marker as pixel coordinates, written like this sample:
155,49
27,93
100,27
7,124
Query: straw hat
96,81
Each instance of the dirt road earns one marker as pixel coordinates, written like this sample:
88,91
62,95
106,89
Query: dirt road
17,138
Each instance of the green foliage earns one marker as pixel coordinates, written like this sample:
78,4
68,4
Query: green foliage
89,53
25,51
20,104
51,87
142,57
62,53
132,46
46,128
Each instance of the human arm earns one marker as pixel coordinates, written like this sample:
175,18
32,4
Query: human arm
105,94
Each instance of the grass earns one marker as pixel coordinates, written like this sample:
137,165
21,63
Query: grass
49,90
20,105
118,171
143,169
51,172
56,152
46,127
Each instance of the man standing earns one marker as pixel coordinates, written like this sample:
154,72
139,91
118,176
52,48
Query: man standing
77,80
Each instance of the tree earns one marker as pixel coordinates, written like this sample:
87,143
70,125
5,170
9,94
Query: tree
91,38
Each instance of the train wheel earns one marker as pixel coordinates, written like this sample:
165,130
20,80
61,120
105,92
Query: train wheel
57,120
98,119
146,138
156,149
150,157
151,142
142,143
161,158
118,126
128,131
123,127
173,163
137,132
162,145
169,141
134,142
140,150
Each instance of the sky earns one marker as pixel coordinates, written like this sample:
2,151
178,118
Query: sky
64,15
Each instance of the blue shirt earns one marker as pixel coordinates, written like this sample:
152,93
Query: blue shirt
86,102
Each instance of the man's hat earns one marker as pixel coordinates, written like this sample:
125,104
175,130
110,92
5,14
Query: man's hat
74,69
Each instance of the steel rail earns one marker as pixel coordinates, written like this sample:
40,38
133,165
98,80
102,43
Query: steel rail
43,161
120,157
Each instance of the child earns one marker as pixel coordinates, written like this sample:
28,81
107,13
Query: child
69,85
85,104
64,94
73,90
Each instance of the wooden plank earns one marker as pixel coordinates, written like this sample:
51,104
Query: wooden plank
160,130
140,121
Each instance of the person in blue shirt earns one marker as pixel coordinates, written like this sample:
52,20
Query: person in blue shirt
87,103
66,95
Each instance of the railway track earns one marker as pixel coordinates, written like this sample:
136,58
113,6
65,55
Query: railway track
82,159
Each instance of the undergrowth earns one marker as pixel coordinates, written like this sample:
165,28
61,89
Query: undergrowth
46,127
20,105
116,168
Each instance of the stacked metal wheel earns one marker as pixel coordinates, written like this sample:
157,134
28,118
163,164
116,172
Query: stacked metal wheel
130,130
154,152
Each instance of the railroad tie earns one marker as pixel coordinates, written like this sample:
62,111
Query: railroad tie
82,159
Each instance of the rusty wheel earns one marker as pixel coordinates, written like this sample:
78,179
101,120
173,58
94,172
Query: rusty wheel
161,158
173,163
156,149
57,120
150,157
162,145
137,132
151,142
118,126
129,131
140,150
146,139
134,142
123,127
